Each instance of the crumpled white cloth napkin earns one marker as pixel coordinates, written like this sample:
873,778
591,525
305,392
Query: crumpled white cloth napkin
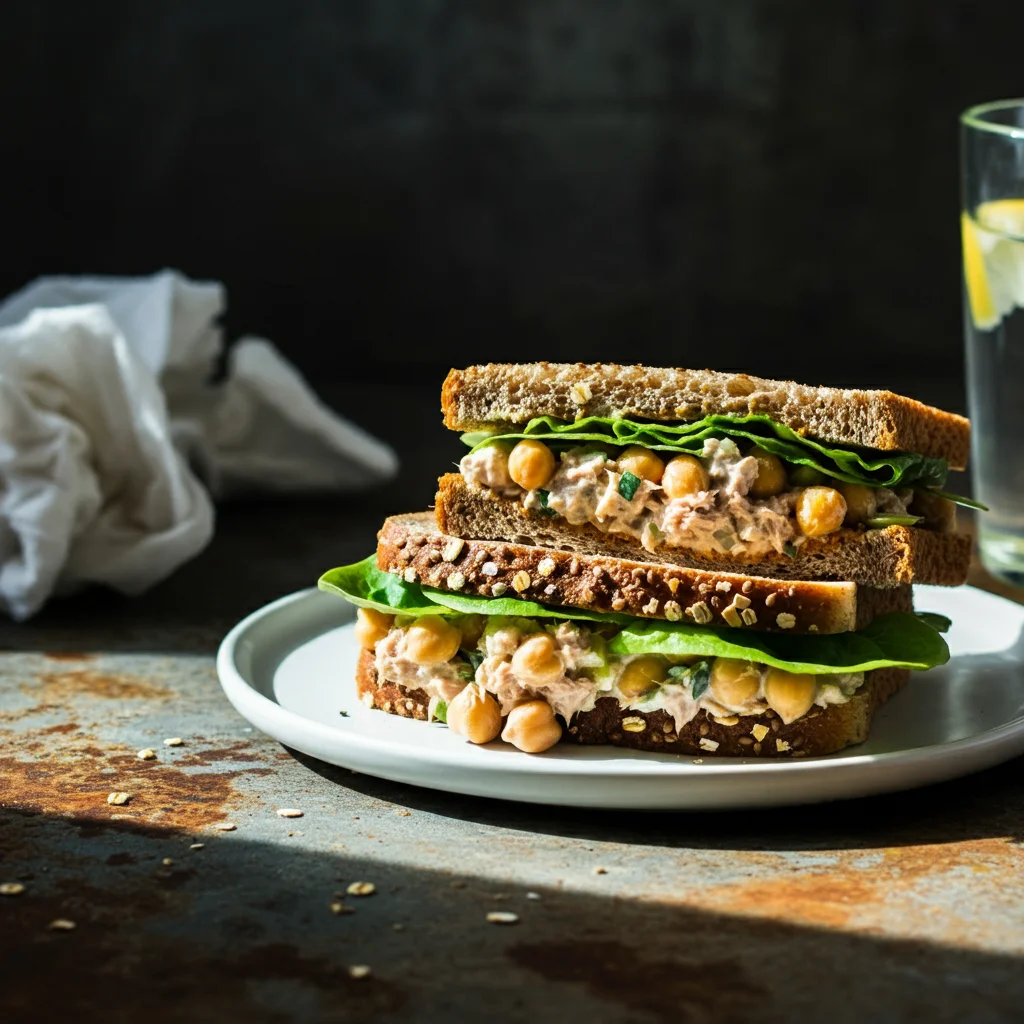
113,439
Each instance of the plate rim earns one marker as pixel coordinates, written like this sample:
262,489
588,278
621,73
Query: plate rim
246,698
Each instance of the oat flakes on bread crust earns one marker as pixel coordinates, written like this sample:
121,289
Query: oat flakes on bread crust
820,731
413,547
506,394
871,558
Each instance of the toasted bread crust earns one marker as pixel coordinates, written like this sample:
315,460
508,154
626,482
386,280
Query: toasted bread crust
413,547
504,395
820,731
873,558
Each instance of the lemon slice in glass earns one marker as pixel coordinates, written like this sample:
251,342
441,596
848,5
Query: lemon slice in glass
993,248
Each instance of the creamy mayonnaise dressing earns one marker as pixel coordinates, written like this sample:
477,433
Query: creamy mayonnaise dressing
676,699
567,695
722,519
443,682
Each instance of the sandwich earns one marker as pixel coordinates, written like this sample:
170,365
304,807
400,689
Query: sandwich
714,471
537,645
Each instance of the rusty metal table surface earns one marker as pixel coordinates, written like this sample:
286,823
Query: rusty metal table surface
901,907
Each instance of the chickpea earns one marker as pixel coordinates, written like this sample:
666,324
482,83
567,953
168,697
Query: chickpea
734,683
861,502
475,714
536,661
771,474
371,626
820,510
531,464
432,641
789,695
642,675
642,462
685,475
532,727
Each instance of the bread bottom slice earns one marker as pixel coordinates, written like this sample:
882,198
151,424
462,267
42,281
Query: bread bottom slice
820,731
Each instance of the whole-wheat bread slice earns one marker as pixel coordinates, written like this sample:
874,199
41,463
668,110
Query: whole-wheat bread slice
413,547
872,558
820,731
504,395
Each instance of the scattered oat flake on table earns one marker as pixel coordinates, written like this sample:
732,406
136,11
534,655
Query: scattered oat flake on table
359,971
502,917
404,814
62,924
167,862
11,888
341,908
174,741
600,871
533,895
197,846
361,889
225,826
146,754
289,812
118,799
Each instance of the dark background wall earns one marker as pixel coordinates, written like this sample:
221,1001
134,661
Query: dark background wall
770,186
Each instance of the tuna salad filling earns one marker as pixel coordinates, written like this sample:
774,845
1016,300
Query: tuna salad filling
721,504
571,667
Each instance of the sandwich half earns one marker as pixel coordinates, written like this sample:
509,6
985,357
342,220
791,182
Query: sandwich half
715,471
446,634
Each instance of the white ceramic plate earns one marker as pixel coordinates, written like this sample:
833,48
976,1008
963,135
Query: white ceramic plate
289,669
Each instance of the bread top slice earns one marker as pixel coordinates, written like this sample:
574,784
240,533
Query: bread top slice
507,395
412,546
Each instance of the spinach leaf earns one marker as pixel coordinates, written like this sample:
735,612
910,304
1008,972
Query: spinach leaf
957,499
543,496
880,522
700,675
898,639
628,484
938,622
475,659
852,465
366,586
696,676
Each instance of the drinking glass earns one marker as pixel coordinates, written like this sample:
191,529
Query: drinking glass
992,225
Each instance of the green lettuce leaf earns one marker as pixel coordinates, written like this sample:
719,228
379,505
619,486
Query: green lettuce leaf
939,622
366,586
896,640
855,466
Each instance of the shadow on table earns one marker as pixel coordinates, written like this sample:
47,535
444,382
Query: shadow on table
243,931
989,804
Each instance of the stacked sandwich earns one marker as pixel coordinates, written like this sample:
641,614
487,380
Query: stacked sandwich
664,559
